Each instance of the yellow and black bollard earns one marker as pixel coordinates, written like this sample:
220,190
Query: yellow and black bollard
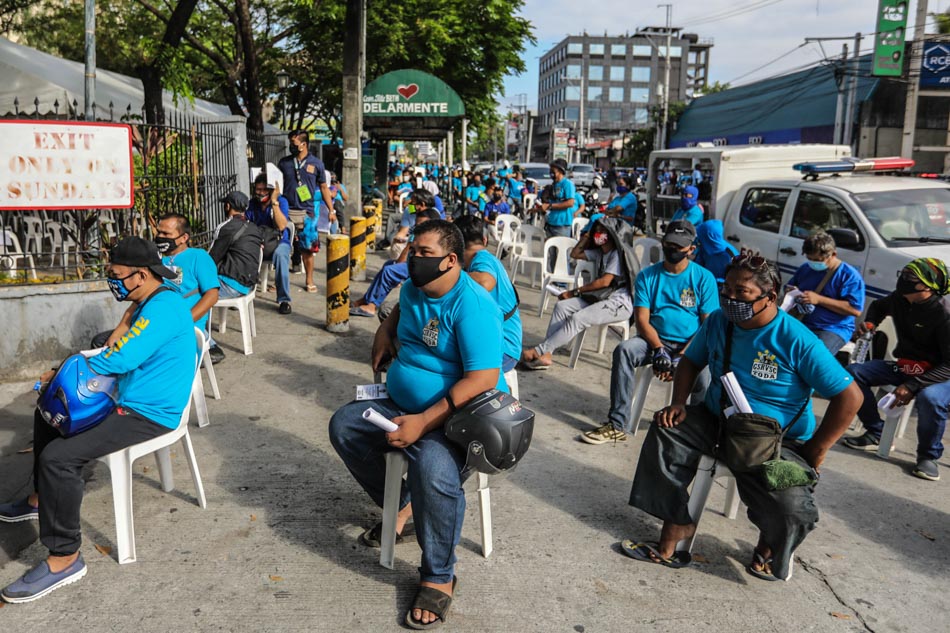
338,283
357,249
369,212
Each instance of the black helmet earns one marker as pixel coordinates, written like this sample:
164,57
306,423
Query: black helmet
493,429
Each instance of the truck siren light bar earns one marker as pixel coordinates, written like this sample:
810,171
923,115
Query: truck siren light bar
890,163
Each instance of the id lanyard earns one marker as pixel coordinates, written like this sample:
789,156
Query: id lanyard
303,191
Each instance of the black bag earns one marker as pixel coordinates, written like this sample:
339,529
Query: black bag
748,440
271,238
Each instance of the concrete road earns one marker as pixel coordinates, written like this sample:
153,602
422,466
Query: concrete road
276,549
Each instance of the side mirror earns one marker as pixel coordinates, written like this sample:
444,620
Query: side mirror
846,238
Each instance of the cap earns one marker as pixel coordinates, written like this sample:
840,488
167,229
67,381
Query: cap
138,252
560,163
680,233
236,199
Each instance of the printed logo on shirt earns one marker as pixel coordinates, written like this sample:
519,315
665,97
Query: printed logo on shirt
764,366
311,169
137,328
179,274
688,298
430,333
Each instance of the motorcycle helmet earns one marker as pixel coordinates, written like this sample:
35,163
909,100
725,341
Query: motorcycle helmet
76,398
493,429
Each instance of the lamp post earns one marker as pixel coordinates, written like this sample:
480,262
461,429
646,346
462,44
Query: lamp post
283,80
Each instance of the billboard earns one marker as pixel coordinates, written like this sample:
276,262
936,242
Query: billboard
935,65
559,147
889,38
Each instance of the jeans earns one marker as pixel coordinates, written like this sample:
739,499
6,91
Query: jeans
831,340
433,484
933,405
281,259
628,356
573,316
389,276
668,463
57,470
555,231
508,363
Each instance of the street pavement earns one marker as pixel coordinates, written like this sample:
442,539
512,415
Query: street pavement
276,549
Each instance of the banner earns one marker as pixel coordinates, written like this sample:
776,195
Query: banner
889,40
935,65
52,165
560,137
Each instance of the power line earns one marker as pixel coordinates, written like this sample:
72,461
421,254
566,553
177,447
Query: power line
730,13
769,63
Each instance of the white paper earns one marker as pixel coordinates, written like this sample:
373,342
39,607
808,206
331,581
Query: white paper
554,290
377,418
274,177
789,302
371,392
886,405
734,391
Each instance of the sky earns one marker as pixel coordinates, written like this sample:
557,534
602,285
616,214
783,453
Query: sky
743,42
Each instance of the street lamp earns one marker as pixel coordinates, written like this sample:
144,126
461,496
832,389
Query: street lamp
283,80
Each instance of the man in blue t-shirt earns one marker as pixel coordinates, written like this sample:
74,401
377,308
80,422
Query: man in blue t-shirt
497,206
777,363
625,204
562,205
690,209
832,292
270,211
475,198
449,333
671,300
153,360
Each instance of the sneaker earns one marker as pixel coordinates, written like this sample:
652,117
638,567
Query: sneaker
216,354
284,308
866,442
18,511
604,434
40,581
927,469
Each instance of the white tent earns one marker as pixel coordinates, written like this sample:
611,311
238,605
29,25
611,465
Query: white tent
28,74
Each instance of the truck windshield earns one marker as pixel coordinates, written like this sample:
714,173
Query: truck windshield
908,215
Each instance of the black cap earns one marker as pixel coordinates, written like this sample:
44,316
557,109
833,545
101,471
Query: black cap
138,252
560,163
237,200
680,233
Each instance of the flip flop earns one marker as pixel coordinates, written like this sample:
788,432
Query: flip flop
359,311
312,288
765,563
650,553
535,365
433,601
373,536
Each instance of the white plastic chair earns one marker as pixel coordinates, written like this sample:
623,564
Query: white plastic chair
576,225
33,232
557,249
504,229
120,468
10,253
709,468
648,250
245,308
583,274
198,392
61,241
527,249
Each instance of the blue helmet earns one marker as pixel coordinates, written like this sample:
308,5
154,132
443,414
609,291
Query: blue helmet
76,398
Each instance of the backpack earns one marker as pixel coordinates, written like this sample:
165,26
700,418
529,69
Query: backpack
271,240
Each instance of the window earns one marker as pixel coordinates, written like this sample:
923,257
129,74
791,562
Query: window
613,115
594,93
571,113
573,93
640,95
762,208
640,73
641,116
616,94
817,212
596,49
642,51
595,73
618,50
573,71
575,48
616,73
592,114
675,51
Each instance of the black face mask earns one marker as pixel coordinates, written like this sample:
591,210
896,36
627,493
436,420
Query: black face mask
496,197
424,270
906,286
674,255
165,244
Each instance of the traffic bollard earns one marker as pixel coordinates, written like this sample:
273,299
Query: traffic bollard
338,283
357,249
371,234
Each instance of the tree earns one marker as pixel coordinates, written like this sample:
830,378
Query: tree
10,11
714,88
636,151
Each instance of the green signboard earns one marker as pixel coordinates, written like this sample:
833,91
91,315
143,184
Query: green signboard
889,39
411,93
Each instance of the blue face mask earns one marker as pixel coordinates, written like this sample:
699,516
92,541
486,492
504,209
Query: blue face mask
817,265
622,190
118,288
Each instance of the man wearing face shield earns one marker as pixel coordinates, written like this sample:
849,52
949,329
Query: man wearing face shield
777,363
448,330
154,362
920,310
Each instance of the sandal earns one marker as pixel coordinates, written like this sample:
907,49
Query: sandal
650,553
312,288
535,365
765,567
433,601
372,537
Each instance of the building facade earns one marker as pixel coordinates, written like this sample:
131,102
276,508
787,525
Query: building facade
601,87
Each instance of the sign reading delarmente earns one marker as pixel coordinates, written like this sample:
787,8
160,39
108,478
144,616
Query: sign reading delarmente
889,39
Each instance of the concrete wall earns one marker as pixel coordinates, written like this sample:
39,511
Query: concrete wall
42,324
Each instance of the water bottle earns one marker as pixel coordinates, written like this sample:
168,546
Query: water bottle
862,347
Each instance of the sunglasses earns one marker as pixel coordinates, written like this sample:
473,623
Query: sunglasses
751,259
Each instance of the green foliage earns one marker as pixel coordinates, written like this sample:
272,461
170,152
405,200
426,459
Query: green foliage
943,22
636,152
715,87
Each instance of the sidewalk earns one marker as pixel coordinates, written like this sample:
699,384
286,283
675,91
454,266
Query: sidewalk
276,549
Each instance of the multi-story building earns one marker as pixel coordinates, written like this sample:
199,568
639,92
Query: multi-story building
606,84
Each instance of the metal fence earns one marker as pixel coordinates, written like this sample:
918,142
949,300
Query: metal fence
266,147
185,165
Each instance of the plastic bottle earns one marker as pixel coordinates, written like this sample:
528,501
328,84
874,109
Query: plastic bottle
862,347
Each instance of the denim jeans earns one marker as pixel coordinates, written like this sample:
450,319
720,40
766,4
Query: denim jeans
389,276
508,363
933,405
628,356
433,484
831,340
281,259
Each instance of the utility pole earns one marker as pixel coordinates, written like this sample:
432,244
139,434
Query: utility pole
89,85
849,113
839,104
913,81
580,114
666,73
353,71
